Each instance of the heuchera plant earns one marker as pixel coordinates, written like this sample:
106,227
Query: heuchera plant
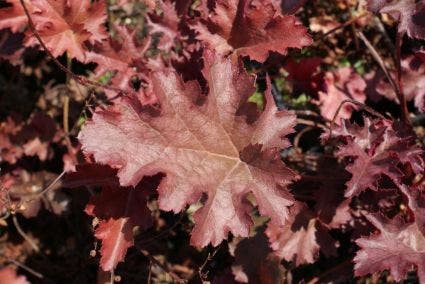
189,118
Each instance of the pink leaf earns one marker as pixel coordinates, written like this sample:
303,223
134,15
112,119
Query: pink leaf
378,147
13,16
121,56
9,276
343,84
203,145
301,237
413,80
116,236
63,25
399,247
120,209
166,25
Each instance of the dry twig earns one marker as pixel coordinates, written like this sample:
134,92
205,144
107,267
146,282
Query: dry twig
26,268
396,85
24,235
173,275
343,25
203,275
363,106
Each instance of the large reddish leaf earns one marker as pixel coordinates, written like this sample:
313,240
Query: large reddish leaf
205,147
252,28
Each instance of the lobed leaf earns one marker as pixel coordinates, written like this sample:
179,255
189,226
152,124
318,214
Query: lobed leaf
64,26
378,148
251,28
203,145
409,13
